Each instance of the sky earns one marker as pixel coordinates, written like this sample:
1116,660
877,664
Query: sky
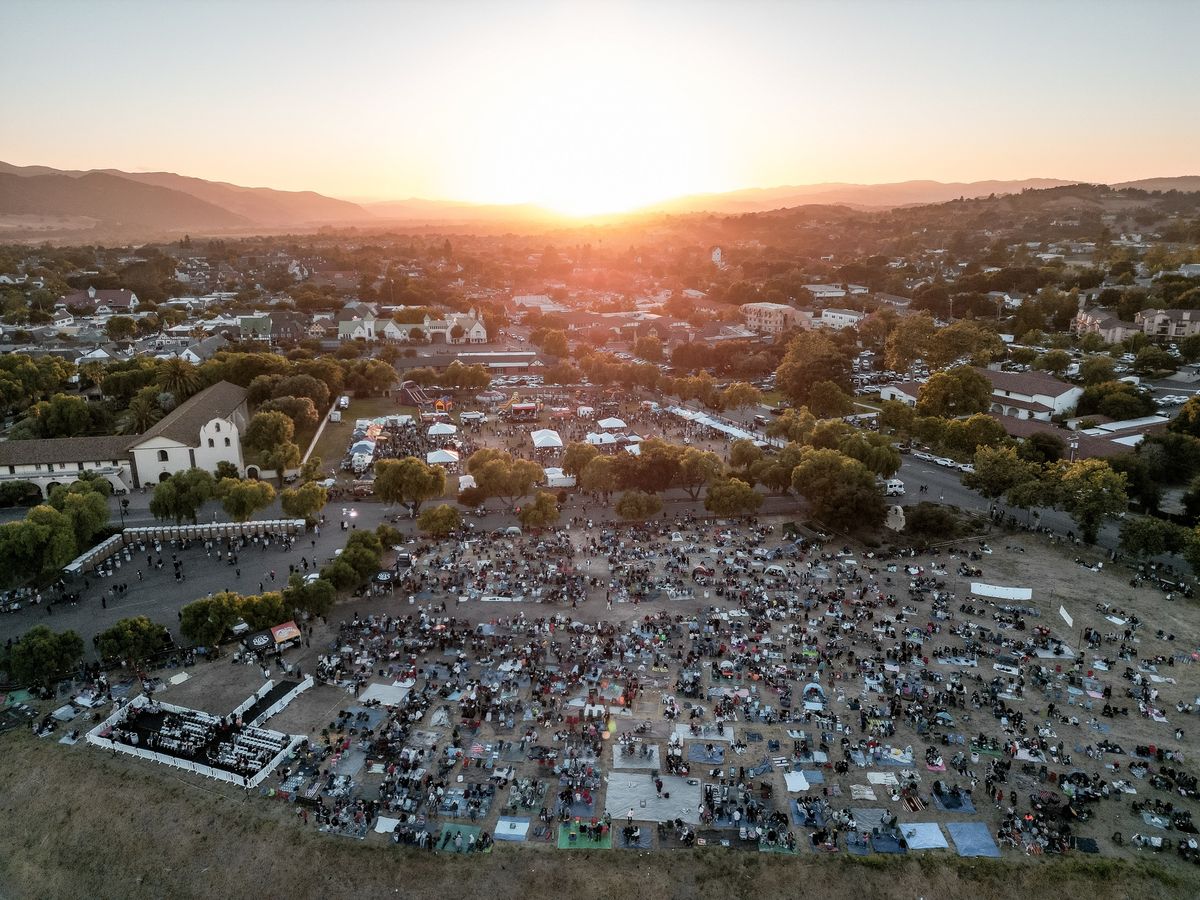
601,106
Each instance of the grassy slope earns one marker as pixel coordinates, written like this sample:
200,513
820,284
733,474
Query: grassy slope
79,822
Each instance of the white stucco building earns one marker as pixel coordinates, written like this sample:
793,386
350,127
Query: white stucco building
199,433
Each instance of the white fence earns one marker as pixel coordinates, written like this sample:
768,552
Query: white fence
283,701
208,531
94,738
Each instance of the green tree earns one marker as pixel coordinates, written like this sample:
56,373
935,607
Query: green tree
266,431
1042,447
998,470
1054,361
739,395
648,348
542,512
439,521
304,502
132,641
498,474
696,469
179,377
638,505
873,450
314,597
409,482
1090,491
827,400
793,425
41,656
120,328
226,469
732,497
1146,536
181,496
744,453
555,344
599,476
207,621
299,409
811,357
242,499
840,491
954,392
963,436
909,341
1097,370
576,456
282,458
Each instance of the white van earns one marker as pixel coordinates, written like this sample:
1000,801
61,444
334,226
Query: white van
893,487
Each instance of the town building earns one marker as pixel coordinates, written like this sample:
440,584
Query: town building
841,318
774,318
199,433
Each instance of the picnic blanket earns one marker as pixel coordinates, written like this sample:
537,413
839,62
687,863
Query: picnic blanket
923,836
946,803
973,839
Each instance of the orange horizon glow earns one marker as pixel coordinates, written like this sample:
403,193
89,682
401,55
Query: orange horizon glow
591,108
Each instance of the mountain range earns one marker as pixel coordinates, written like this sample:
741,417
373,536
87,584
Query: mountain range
39,202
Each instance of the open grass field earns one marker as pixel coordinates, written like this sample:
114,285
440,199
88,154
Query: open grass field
76,822
335,439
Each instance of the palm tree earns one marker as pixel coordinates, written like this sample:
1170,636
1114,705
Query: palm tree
179,377
142,413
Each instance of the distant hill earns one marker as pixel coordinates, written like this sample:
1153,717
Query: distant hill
868,196
1186,183
110,202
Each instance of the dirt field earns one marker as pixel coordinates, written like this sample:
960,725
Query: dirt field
75,821
79,823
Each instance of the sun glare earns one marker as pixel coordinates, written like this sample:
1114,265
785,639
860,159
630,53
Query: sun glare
589,131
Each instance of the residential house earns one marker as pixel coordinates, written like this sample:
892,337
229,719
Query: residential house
204,350
100,302
1030,395
1103,323
287,327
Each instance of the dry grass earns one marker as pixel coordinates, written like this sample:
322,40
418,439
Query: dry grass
77,822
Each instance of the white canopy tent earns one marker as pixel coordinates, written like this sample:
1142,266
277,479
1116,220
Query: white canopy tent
466,481
438,429
597,440
557,478
612,423
441,457
546,439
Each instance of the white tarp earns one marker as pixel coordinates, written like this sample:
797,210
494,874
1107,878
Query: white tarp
546,439
634,790
795,781
1000,592
388,694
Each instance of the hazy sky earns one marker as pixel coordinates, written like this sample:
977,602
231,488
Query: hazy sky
588,106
